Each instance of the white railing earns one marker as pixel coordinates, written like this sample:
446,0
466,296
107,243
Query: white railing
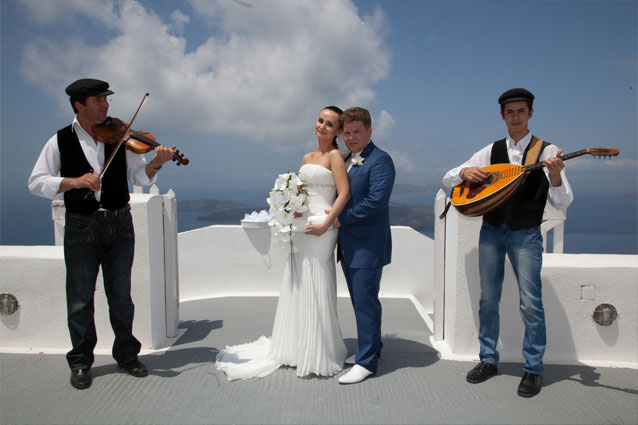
554,220
440,277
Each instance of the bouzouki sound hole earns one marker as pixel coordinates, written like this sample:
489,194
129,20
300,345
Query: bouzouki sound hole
477,188
492,178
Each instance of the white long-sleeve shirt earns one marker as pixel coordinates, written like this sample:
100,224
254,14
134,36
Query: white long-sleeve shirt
45,178
560,197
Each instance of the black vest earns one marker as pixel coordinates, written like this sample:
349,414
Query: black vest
73,163
525,209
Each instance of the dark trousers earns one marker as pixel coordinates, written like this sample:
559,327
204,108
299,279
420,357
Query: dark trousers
107,240
364,285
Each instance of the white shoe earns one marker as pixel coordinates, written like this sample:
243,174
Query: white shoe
350,360
355,375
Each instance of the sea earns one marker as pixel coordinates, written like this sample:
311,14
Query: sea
596,223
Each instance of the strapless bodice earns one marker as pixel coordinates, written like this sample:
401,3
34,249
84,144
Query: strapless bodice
321,188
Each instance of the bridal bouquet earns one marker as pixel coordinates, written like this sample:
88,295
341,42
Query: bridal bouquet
287,198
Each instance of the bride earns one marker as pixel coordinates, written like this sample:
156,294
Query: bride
306,332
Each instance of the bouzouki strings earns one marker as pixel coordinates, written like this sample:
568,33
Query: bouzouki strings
476,199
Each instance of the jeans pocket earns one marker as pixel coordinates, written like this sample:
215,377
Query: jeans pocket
531,231
126,223
77,229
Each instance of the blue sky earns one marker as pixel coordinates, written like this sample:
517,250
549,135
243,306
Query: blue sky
237,84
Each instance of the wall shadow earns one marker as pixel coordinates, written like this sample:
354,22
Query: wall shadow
197,330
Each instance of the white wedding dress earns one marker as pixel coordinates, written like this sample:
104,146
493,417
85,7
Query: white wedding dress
306,332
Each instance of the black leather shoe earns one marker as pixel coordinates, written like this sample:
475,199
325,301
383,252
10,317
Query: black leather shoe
481,372
81,378
530,384
135,368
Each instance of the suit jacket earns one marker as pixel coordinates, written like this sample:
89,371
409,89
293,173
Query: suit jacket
364,235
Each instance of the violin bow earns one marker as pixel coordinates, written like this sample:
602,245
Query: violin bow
124,135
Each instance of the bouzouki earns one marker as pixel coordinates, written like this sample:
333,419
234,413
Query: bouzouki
480,198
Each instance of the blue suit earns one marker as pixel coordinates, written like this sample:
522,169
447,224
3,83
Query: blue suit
365,246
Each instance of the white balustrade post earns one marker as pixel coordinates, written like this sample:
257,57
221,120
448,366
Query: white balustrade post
559,237
462,287
439,266
57,213
149,280
171,272
554,219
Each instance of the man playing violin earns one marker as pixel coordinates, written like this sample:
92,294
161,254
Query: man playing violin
98,224
514,228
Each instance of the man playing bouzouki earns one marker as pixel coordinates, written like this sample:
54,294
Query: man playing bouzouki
514,228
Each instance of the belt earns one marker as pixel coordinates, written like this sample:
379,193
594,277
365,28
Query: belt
109,213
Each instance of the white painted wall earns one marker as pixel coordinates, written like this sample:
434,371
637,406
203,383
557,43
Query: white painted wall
35,275
573,285
220,261
214,261
226,260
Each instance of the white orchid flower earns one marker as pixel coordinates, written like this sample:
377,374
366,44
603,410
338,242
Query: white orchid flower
278,199
295,181
285,217
296,204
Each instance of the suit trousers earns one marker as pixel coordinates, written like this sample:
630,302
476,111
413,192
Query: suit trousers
364,285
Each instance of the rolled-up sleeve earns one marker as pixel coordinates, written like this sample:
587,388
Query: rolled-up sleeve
479,159
561,196
45,177
136,164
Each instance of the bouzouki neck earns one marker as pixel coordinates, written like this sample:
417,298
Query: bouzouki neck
597,152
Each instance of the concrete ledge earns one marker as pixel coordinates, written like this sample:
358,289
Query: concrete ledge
36,275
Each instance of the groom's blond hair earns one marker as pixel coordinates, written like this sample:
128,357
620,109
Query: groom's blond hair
356,114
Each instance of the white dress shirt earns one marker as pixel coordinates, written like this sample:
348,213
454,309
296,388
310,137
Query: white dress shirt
45,178
560,197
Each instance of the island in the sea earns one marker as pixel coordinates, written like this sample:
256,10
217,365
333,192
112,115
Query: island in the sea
419,217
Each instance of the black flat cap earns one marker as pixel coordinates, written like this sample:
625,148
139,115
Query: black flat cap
516,95
88,87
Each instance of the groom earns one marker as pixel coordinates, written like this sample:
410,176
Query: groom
365,243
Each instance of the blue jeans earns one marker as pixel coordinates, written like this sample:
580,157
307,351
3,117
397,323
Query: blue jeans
91,241
524,249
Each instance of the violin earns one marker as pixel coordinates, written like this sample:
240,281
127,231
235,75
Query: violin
112,131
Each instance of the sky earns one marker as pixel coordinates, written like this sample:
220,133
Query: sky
236,85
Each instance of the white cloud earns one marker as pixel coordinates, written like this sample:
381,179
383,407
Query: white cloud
262,74
403,162
382,134
179,21
382,127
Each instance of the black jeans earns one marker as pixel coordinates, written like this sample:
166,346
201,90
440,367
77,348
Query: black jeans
106,240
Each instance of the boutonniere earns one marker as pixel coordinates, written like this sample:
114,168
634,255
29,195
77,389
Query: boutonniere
357,160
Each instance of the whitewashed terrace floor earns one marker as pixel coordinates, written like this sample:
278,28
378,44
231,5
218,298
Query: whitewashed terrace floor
413,386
